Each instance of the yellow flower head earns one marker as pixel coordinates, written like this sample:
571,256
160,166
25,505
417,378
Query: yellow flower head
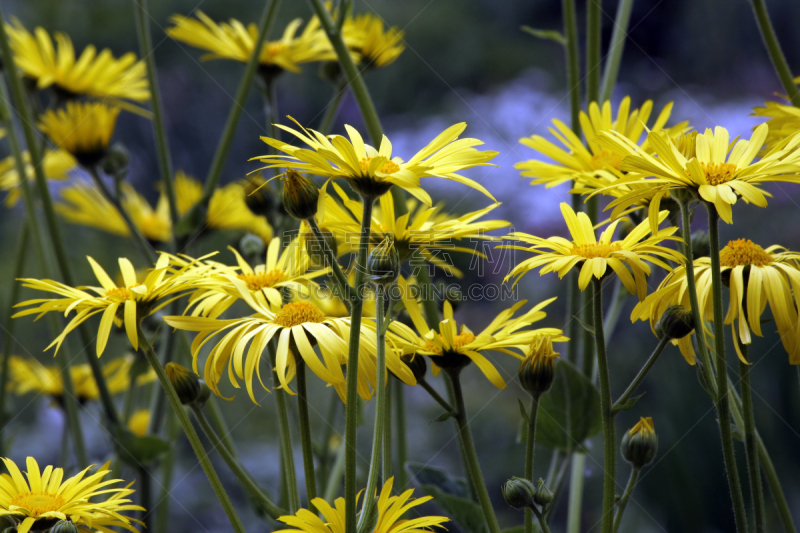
234,41
139,422
45,495
643,427
56,165
376,45
83,129
718,172
97,75
783,120
594,256
372,172
391,509
756,277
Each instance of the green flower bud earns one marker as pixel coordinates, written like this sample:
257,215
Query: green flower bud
64,526
701,246
537,370
300,195
186,383
542,495
640,443
518,493
383,263
675,323
116,161
252,246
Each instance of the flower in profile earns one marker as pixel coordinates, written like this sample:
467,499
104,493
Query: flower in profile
45,496
719,174
235,41
757,277
628,258
640,443
56,165
372,172
376,45
83,129
537,370
391,509
97,75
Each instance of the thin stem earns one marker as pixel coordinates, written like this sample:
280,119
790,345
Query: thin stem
327,434
194,440
167,471
750,443
287,456
326,124
723,405
614,59
386,468
399,433
428,303
529,449
619,405
305,434
145,497
241,474
339,277
541,518
609,434
335,478
220,426
556,483
451,395
615,310
576,481
470,455
436,396
573,66
623,502
593,43
775,52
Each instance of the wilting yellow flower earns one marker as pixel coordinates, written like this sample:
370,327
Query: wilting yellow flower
83,129
372,172
29,375
576,160
234,41
627,256
757,277
46,496
56,165
391,509
96,75
139,422
134,300
719,174
376,45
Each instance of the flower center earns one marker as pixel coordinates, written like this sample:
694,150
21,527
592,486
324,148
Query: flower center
719,173
389,167
296,313
38,504
604,159
599,249
460,340
273,49
263,280
743,252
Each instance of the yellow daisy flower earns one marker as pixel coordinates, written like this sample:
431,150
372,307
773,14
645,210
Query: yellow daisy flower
44,496
391,509
234,41
92,74
756,277
376,45
783,120
134,300
718,173
139,422
56,165
372,172
594,256
83,129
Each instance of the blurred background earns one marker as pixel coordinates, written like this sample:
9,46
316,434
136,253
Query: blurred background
465,61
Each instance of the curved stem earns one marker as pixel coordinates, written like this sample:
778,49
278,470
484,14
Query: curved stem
285,436
775,52
194,440
750,443
609,434
576,481
529,449
619,404
723,405
623,502
542,519
470,455
305,434
436,396
614,59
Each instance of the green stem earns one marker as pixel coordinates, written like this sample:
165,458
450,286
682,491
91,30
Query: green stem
241,474
576,481
771,476
386,469
399,433
335,478
428,303
290,476
573,66
339,277
775,52
220,426
723,405
194,440
623,502
436,396
326,124
619,405
541,518
145,486
609,436
305,434
451,395
750,443
615,310
167,471
470,454
617,46
556,483
593,43
529,449
327,434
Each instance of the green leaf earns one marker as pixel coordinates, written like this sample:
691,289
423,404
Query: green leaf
570,412
583,324
137,451
428,475
523,412
550,35
442,417
627,404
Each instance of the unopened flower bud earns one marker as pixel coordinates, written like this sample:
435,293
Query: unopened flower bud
300,195
116,161
252,245
640,443
675,323
383,263
701,246
537,370
417,364
186,383
518,493
542,495
64,526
